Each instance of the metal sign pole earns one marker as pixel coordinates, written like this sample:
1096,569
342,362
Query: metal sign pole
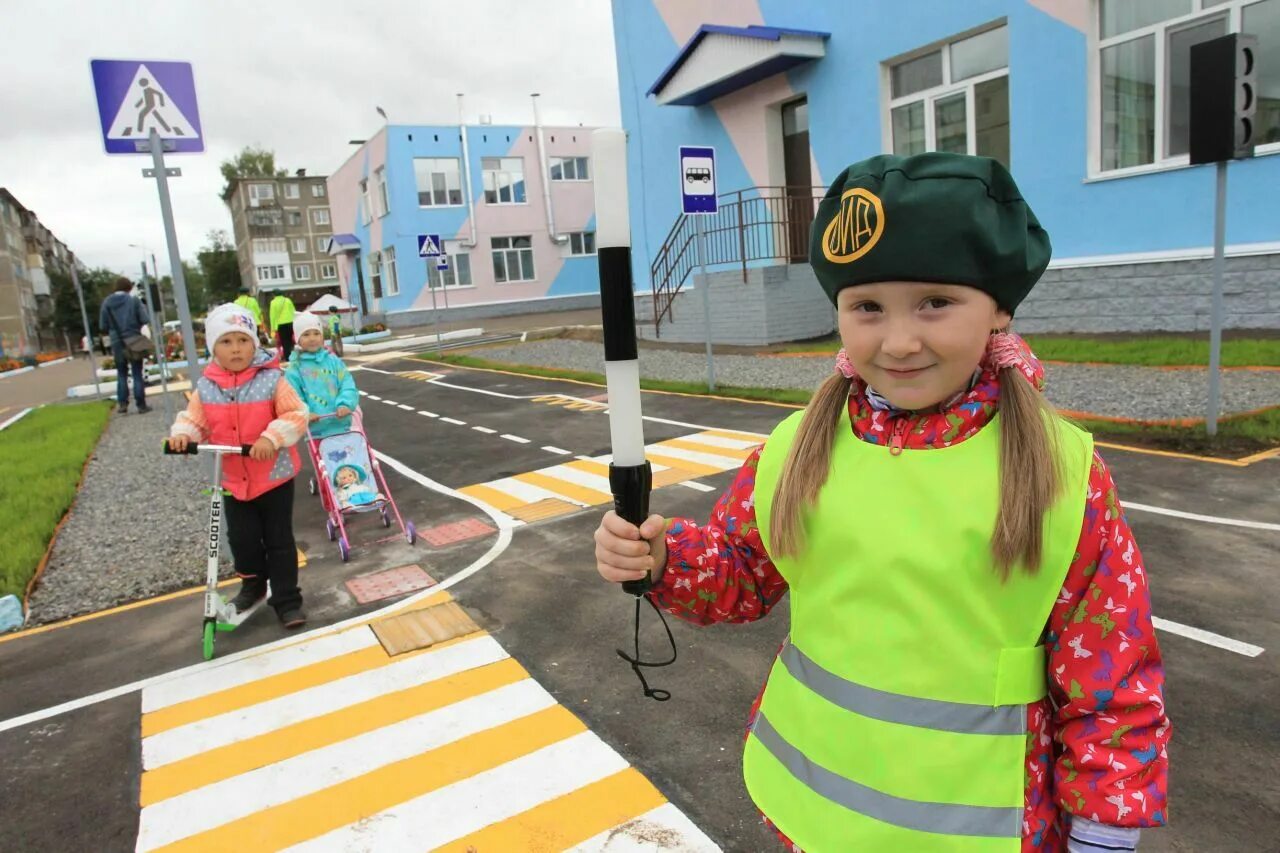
88,333
1215,327
706,301
175,259
435,312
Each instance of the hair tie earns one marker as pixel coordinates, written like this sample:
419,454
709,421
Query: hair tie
845,367
1007,350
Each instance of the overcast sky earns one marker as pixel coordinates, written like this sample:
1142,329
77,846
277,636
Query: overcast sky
300,78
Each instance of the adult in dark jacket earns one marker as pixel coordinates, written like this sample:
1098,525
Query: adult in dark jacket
123,317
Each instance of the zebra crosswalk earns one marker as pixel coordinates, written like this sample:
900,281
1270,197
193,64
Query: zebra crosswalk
330,744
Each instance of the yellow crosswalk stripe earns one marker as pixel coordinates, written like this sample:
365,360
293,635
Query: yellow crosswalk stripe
573,491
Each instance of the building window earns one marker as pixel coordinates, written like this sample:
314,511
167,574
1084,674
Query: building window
384,201
317,191
375,274
503,180
261,192
439,181
457,275
295,217
271,272
302,272
292,191
366,212
322,245
582,243
570,169
328,271
299,245
512,258
953,97
1144,74
320,216
389,261
269,246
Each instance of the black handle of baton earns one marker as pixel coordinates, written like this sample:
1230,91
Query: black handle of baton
631,485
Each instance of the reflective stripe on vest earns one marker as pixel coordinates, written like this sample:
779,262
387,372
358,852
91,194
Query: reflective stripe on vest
895,716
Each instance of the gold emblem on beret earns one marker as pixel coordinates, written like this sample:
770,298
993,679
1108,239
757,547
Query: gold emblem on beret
856,228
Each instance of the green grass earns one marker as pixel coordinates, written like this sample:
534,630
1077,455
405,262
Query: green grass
1238,436
768,395
1157,351
42,457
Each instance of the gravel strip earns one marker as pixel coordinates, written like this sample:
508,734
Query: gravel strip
1128,392
137,528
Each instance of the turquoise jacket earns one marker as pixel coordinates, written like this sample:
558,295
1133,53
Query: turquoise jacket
324,383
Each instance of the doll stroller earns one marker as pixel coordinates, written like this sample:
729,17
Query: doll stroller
350,482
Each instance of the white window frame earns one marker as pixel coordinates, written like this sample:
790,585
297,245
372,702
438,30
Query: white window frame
318,191
947,89
384,197
390,277
366,215
294,242
302,272
262,192
270,272
301,219
269,245
328,271
569,158
320,216
448,187
292,192
580,237
510,250
448,279
1159,32
484,182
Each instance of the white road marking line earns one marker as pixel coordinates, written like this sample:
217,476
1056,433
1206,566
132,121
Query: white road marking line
556,450
1192,516
517,439
724,463
406,408
427,414
589,459
579,478
527,492
721,441
484,430
258,790
502,521
371,396
635,836
390,403
1207,637
244,723
202,683
470,805
696,486
453,421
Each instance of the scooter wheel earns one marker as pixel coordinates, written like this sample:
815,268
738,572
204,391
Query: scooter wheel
208,640
311,486
410,532
331,529
386,519
344,549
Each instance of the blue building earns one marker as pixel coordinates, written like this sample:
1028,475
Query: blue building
1085,100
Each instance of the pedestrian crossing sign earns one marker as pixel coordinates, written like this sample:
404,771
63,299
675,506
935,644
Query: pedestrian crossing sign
136,97
430,245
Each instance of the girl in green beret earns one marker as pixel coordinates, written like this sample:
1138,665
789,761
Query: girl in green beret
971,664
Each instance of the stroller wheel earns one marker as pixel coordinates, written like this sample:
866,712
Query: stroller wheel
386,519
344,549
331,529
311,486
207,645
410,532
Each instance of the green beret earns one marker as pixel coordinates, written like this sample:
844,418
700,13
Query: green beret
948,218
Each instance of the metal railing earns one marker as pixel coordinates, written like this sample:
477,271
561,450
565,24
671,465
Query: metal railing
750,225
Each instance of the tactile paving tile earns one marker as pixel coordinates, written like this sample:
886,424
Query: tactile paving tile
542,510
389,583
419,629
457,531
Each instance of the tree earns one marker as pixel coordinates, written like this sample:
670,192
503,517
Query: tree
250,163
97,285
219,268
197,292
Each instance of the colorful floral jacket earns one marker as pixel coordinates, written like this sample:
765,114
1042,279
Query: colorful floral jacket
1096,761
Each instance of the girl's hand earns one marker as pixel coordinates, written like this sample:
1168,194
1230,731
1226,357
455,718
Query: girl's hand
625,552
178,443
262,450
314,417
343,411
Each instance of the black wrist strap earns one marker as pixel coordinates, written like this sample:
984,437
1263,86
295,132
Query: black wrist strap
655,693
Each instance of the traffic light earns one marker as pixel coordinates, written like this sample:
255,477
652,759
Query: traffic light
1224,82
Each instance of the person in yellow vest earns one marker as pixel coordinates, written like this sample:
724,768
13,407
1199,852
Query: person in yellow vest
248,302
282,312
971,664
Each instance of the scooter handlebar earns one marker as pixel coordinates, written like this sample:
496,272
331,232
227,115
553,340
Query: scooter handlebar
193,448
